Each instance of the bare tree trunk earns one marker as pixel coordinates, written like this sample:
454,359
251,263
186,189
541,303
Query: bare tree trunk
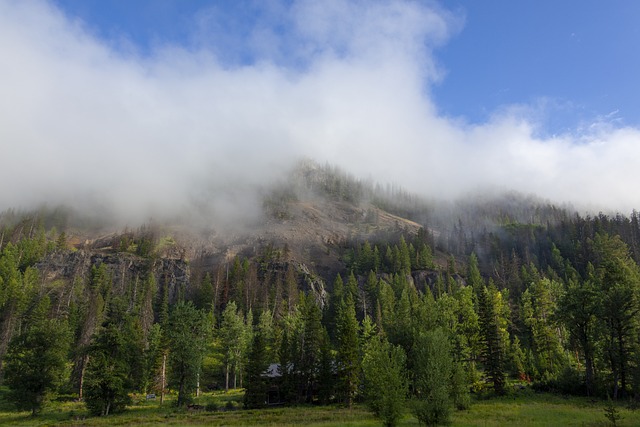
226,380
162,377
83,368
7,332
198,385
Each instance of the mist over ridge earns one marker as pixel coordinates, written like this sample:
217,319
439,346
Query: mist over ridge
87,122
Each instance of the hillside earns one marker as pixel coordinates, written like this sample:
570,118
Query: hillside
327,263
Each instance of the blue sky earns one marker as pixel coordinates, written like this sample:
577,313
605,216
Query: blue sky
174,100
582,56
572,61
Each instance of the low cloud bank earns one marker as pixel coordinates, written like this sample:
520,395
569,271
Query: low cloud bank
86,122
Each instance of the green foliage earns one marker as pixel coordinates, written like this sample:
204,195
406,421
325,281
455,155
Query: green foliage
36,364
233,337
385,382
618,278
611,413
538,309
107,382
460,395
493,322
257,387
152,357
433,367
578,309
187,333
348,354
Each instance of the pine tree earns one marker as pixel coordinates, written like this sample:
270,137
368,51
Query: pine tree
107,383
36,364
493,330
538,309
348,357
308,363
618,277
326,378
474,279
187,334
578,310
256,386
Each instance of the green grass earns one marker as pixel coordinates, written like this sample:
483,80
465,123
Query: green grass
521,409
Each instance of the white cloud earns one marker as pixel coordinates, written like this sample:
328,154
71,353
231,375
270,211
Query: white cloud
80,120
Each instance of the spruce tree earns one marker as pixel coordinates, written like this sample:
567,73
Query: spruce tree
107,382
348,357
493,330
187,334
257,387
36,364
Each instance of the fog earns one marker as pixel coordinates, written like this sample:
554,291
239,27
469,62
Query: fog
94,122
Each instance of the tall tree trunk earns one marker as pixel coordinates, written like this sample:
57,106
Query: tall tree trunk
163,376
83,369
7,332
226,378
198,384
588,380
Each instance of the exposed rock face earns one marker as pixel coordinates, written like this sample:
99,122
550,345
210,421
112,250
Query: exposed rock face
123,267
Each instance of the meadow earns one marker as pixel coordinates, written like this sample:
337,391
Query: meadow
522,408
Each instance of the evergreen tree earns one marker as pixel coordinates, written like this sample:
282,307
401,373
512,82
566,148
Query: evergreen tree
152,357
267,329
187,333
348,357
205,297
107,382
404,257
618,277
538,309
257,387
289,356
36,364
308,362
371,290
351,287
578,310
493,331
366,261
335,300
325,369
474,279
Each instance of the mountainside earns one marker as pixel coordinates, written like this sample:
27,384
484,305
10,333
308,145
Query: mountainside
498,279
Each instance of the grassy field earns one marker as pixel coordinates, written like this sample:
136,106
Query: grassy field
522,409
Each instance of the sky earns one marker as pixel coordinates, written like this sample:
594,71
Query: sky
157,105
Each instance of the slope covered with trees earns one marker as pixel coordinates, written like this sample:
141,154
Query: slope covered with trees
472,301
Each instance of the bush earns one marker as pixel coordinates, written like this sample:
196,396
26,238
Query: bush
433,411
568,381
